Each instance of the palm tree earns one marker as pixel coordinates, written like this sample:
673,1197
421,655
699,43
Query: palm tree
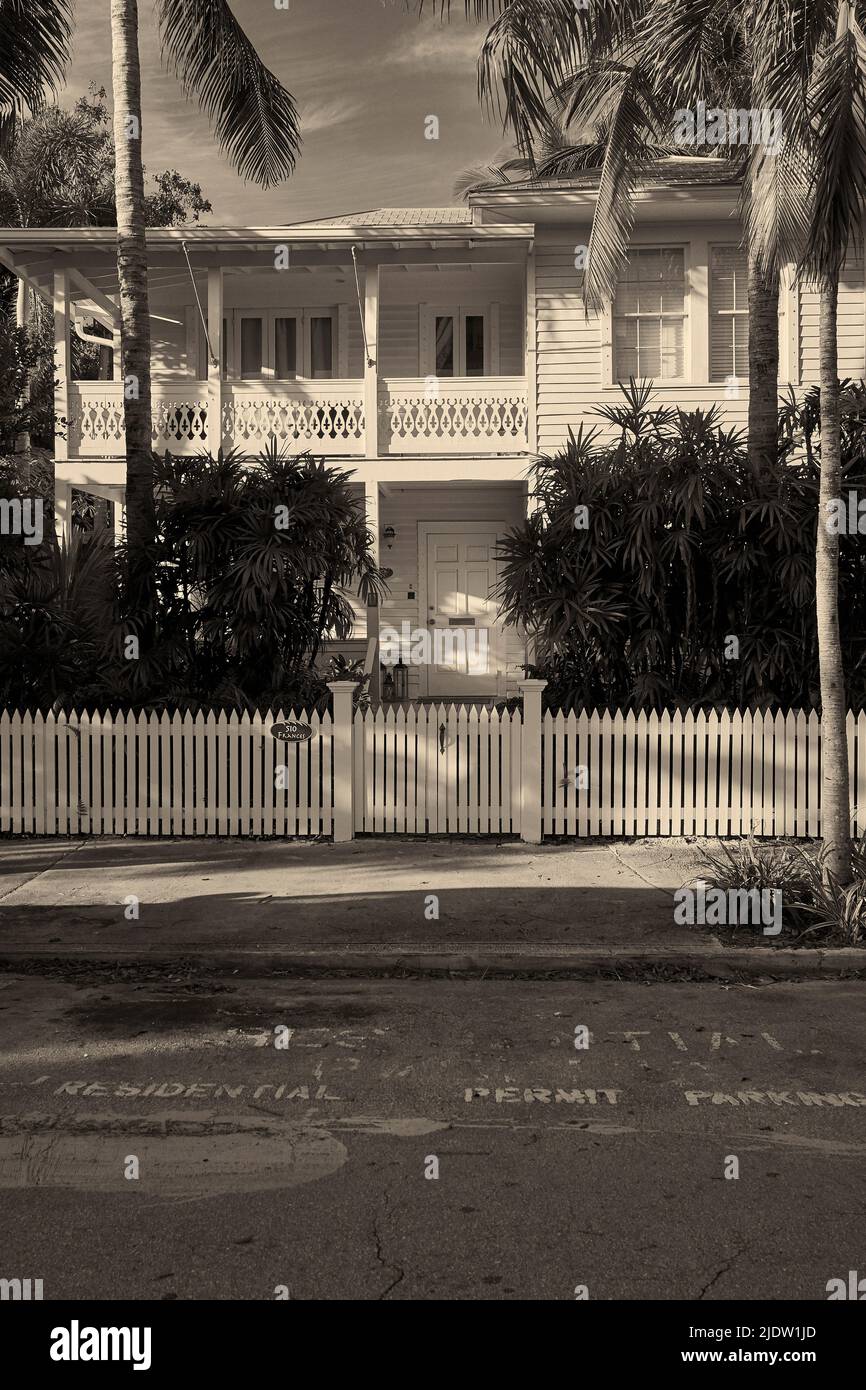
619,70
812,65
256,125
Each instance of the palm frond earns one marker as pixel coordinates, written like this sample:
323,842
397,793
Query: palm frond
255,117
621,97
35,49
837,108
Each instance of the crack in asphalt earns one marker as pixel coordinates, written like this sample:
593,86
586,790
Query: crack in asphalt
401,1273
724,1269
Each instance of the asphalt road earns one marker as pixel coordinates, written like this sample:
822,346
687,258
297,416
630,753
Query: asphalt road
300,1169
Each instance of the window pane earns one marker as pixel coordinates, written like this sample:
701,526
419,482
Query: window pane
251,347
474,344
321,346
671,348
285,348
649,345
444,345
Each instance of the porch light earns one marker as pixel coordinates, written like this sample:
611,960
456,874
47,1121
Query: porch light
389,536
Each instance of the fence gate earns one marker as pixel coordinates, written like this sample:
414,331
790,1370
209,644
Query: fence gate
437,770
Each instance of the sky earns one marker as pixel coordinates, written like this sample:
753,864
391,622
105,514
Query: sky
365,74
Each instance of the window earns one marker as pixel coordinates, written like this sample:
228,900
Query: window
283,344
285,348
456,342
252,356
321,346
650,315
729,313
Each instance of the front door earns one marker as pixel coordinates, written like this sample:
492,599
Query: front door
466,658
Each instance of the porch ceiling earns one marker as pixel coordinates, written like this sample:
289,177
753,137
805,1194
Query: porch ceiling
34,254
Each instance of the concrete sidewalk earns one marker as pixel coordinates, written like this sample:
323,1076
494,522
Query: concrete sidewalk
446,904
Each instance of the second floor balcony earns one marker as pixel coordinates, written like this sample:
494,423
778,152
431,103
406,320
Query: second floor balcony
421,415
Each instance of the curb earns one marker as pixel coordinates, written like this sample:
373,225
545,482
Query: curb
477,959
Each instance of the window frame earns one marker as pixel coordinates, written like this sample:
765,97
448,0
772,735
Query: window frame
303,318
727,313
609,372
489,313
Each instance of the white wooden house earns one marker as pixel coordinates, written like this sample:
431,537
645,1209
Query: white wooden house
433,352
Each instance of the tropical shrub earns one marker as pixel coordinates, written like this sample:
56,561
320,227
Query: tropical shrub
660,570
815,908
253,566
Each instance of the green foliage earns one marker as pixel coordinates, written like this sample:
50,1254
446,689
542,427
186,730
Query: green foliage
684,548
815,907
252,564
18,357
58,171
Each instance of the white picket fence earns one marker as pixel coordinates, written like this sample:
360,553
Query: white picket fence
431,769
163,775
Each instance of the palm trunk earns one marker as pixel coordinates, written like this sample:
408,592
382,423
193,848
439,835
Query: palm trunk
835,805
763,368
134,308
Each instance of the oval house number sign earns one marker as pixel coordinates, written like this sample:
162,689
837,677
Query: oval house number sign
291,733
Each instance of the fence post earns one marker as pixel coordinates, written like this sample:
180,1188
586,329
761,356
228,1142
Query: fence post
343,724
530,762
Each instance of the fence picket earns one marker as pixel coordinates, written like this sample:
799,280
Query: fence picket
422,769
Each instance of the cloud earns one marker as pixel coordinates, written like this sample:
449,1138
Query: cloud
443,45
322,115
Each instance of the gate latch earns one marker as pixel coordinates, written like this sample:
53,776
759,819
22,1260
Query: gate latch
441,738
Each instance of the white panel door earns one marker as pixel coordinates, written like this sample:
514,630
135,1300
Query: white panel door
467,642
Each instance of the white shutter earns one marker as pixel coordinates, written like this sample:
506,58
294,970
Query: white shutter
729,316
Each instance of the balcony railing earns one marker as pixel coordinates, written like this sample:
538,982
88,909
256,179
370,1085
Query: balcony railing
472,415
456,415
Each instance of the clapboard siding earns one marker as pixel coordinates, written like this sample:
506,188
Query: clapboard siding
569,381
851,325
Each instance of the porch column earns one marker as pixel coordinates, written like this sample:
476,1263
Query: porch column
342,760
531,826
371,362
22,320
62,425
215,363
371,502
62,366
63,512
529,355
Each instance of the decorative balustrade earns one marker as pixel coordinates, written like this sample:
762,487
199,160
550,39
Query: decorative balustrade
457,415
326,417
469,415
96,418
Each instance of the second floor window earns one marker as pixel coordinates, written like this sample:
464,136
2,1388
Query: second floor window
282,344
729,314
455,342
649,315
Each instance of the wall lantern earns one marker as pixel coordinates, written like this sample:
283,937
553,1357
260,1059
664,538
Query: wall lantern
389,535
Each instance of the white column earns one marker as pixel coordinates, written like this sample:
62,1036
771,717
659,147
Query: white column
529,356
371,502
371,362
214,364
342,762
531,829
63,512
62,365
